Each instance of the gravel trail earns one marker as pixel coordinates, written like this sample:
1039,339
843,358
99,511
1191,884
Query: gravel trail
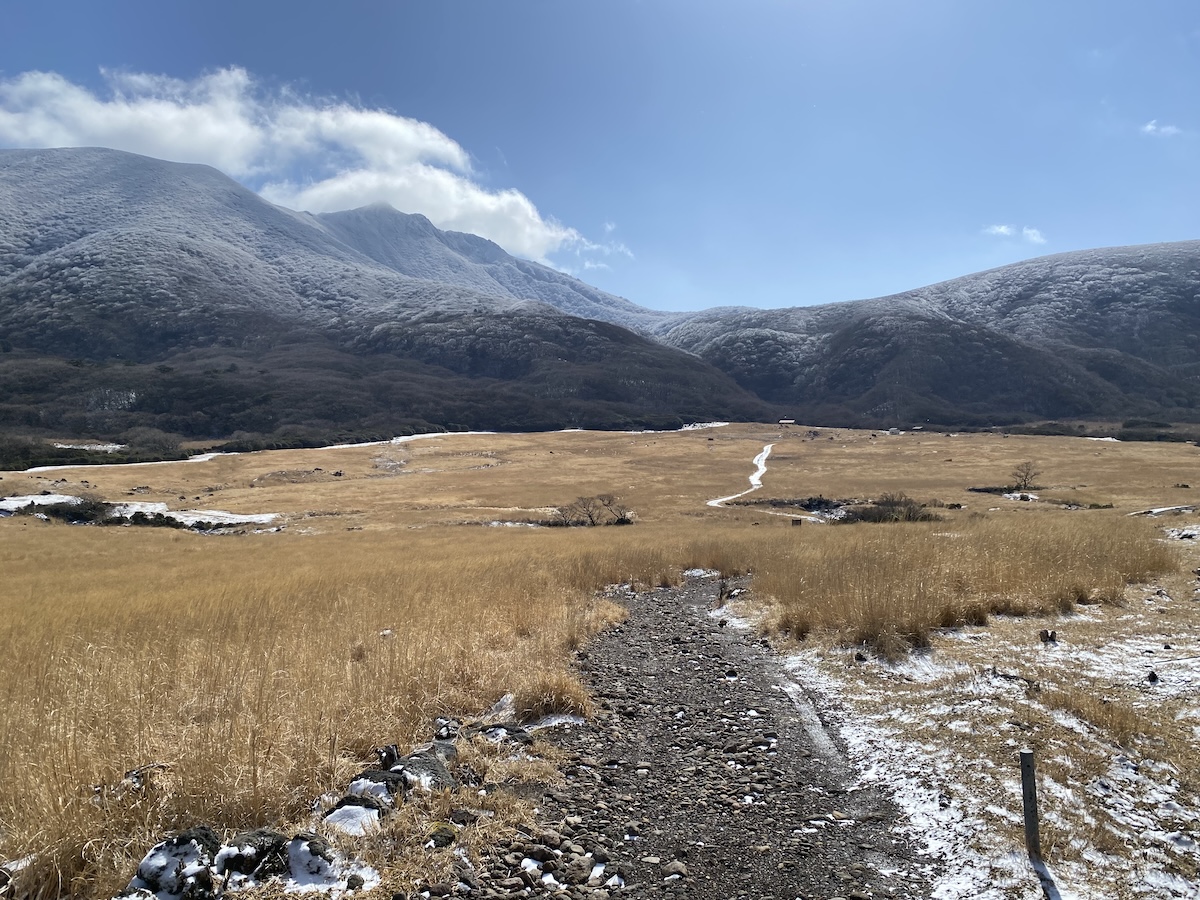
706,775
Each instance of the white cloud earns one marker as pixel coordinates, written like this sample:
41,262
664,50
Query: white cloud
299,151
1153,129
1033,235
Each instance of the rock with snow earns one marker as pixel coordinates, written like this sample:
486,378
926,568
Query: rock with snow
311,859
426,771
382,784
258,854
180,866
500,731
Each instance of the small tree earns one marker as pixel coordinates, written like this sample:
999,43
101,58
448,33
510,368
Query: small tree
621,514
1024,474
588,510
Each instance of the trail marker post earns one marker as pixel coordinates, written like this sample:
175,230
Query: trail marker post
1033,841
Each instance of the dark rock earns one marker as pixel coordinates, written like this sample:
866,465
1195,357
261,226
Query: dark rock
578,872
499,731
389,756
539,852
464,817
366,801
442,834
425,770
675,867
260,853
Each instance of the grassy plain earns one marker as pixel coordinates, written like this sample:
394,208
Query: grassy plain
263,667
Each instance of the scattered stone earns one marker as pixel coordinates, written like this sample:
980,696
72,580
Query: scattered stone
675,867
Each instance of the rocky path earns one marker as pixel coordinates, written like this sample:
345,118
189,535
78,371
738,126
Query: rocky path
706,776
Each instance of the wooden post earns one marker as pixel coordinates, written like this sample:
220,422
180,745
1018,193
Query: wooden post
1033,841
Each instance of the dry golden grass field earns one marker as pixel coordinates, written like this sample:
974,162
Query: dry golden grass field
262,667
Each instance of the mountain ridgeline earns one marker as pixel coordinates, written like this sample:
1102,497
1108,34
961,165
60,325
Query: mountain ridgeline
139,293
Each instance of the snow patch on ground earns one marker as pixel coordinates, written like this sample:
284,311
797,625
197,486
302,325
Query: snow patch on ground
356,821
760,463
942,736
192,516
1164,510
185,516
12,504
699,426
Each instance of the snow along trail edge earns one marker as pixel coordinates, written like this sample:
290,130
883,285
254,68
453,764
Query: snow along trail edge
700,777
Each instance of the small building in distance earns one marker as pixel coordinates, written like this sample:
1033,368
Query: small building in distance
787,421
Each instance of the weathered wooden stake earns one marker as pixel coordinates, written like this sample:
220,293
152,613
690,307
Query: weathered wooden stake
1033,841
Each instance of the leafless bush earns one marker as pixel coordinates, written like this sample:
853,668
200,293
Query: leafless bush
602,509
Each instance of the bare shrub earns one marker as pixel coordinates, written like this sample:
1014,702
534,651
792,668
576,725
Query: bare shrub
602,509
888,508
1025,474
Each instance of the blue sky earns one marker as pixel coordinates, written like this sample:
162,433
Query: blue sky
681,154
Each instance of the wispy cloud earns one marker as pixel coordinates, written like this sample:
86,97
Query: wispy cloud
1028,233
297,150
1153,129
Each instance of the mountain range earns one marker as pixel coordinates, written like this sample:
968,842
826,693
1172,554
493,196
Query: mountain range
140,293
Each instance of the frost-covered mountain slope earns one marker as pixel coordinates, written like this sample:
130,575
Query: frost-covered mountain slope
107,255
412,245
1107,333
140,292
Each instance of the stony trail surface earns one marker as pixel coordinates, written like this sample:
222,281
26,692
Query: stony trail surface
707,775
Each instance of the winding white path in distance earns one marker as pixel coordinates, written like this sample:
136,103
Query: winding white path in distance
760,463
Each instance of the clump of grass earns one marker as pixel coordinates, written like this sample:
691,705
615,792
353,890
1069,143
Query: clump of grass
890,589
1118,720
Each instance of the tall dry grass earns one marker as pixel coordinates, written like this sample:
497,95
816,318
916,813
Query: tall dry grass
263,669
890,586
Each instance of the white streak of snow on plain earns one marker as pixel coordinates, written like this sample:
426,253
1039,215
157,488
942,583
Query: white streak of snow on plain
12,504
760,463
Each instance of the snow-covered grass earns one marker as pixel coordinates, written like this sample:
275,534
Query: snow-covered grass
1111,707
